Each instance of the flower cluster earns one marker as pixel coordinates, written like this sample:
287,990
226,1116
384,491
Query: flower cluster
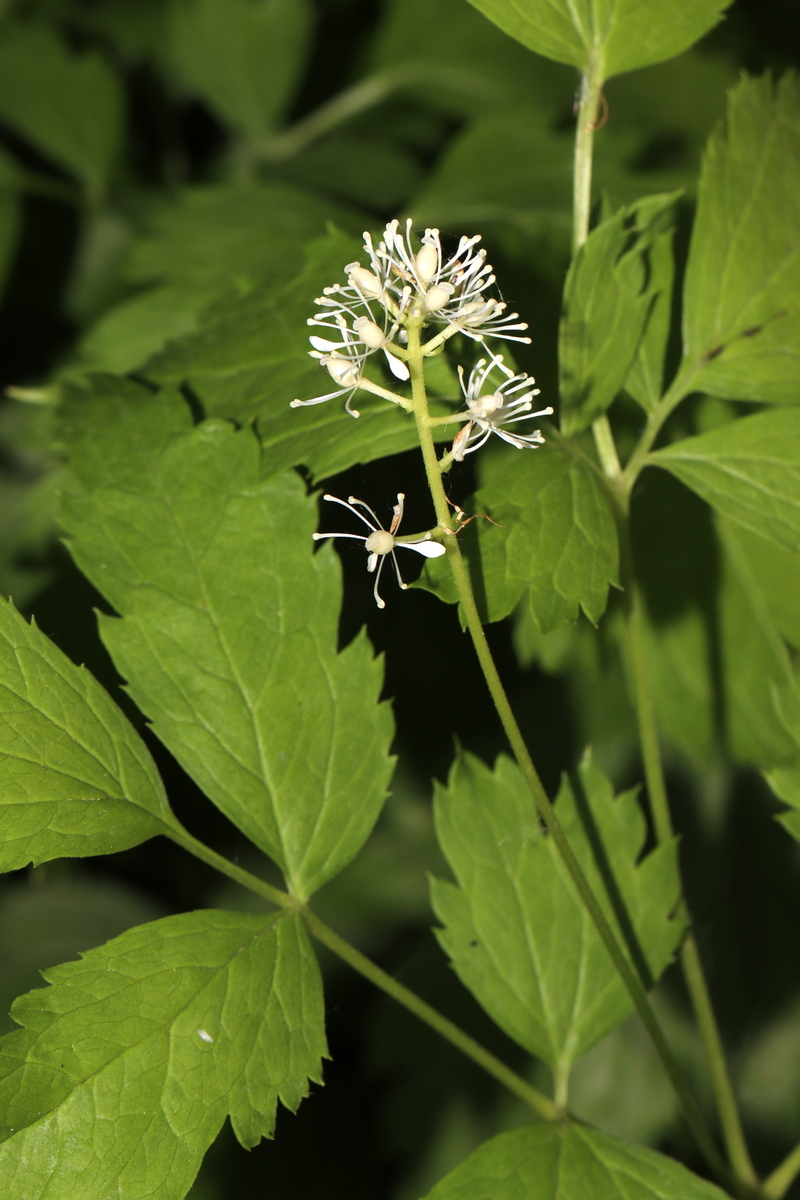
372,310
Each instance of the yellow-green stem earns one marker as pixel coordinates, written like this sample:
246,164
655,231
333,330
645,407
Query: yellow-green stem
782,1178
730,1121
633,984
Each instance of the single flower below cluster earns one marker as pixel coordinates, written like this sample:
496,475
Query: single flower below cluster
381,542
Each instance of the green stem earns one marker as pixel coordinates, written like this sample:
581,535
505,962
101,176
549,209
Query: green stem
782,1178
591,86
633,984
730,1121
537,1100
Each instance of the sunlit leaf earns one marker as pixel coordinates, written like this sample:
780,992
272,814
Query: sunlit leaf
618,36
75,777
515,928
130,1061
741,319
229,625
569,1162
749,470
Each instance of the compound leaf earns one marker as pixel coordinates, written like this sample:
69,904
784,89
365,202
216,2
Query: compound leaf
68,105
618,35
514,926
741,315
229,626
569,1162
748,470
75,777
130,1061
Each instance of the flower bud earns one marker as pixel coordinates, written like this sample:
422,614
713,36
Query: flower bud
475,312
345,372
485,406
366,283
371,334
437,296
427,263
380,542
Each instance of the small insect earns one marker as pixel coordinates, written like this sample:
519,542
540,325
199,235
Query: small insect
381,542
462,520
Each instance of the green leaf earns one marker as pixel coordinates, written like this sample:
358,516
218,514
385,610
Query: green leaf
608,297
210,242
229,626
131,1060
740,315
778,573
243,57
617,36
49,920
75,777
748,470
515,928
555,536
68,105
249,360
562,1162
714,652
645,379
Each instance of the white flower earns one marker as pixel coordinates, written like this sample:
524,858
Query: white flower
380,542
492,410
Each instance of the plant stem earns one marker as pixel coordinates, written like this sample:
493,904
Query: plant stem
537,1100
633,984
591,85
540,1103
782,1178
730,1121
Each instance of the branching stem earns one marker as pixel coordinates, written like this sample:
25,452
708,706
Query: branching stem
633,984
541,1104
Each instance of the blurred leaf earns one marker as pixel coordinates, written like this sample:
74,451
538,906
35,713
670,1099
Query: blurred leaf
569,1162
518,934
741,310
243,57
212,1013
714,652
749,470
609,295
211,241
514,168
9,233
619,37
356,167
785,783
76,777
45,921
70,106
249,359
769,1072
477,66
229,627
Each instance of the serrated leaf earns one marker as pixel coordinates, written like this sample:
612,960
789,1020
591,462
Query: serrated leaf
741,318
748,470
243,57
609,296
617,36
69,106
645,380
250,359
229,629
569,1162
207,243
75,777
49,920
131,1060
515,928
